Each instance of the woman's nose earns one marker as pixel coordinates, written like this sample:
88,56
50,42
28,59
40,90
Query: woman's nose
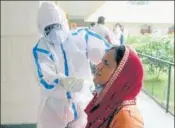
99,66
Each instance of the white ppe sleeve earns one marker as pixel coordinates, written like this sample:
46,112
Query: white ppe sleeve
48,75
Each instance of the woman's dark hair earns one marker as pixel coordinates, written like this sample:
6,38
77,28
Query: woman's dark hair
119,52
92,24
118,24
101,20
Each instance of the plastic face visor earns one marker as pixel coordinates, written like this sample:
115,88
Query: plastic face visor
48,29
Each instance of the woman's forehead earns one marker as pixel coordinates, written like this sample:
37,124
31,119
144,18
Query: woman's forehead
110,55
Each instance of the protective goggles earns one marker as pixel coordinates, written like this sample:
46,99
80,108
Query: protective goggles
48,29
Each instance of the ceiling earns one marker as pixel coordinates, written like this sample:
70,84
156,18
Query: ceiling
123,11
79,9
120,11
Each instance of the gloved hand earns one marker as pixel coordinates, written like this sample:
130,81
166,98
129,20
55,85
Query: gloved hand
72,84
80,122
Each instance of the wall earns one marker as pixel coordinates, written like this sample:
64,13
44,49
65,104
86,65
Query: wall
134,28
19,86
79,22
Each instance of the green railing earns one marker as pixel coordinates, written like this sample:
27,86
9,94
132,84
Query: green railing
161,88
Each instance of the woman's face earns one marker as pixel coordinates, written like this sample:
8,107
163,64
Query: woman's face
105,68
117,28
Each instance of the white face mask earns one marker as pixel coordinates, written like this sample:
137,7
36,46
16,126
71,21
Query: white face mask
117,29
57,36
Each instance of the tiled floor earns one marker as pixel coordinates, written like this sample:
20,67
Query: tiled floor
19,126
154,115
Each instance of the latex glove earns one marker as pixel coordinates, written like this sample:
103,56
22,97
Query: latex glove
80,122
72,84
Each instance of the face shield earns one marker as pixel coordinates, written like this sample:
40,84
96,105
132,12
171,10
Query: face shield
55,33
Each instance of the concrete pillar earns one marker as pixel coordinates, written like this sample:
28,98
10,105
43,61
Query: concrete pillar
19,84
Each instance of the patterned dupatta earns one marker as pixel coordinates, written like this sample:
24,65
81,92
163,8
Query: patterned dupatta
122,89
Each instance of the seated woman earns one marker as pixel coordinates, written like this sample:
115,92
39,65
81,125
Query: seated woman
119,78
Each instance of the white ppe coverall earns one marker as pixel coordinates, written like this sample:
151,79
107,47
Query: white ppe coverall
62,62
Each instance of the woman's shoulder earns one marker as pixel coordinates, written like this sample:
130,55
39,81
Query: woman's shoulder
128,117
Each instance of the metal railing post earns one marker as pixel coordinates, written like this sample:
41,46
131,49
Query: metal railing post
169,87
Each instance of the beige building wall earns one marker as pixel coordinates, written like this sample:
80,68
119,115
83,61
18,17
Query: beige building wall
134,28
19,85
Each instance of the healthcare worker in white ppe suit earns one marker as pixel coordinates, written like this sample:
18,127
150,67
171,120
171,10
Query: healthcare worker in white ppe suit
62,61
